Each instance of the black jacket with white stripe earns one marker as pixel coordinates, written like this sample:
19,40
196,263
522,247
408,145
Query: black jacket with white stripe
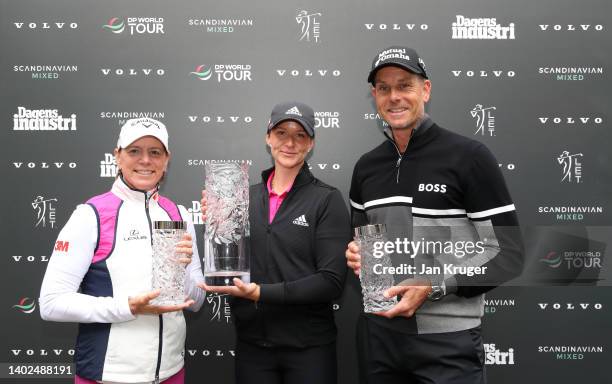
298,260
447,196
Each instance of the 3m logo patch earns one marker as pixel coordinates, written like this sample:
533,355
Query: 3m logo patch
61,246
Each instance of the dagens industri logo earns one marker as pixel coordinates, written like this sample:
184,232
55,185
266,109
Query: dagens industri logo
42,120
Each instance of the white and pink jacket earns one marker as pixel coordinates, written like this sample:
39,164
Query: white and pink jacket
101,257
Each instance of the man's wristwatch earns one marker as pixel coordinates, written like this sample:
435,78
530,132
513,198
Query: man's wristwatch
437,292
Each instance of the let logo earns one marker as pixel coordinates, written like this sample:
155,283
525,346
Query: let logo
61,246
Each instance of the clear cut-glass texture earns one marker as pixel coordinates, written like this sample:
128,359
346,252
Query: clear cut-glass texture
373,285
168,274
226,236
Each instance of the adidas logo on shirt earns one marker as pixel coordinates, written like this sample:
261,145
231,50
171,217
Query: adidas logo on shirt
293,111
301,221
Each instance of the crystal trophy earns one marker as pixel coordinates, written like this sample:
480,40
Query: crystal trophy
226,236
168,273
373,285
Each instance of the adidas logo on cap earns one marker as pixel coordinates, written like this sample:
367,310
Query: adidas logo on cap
293,111
301,221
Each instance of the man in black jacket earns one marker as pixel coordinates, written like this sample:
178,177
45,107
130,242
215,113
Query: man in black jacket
453,227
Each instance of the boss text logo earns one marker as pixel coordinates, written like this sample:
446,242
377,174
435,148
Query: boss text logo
441,188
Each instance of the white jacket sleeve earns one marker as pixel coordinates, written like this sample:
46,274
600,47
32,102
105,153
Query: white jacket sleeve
69,262
193,275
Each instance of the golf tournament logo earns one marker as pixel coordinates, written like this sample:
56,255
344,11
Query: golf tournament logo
572,167
202,73
136,25
115,25
224,72
485,120
26,305
45,211
310,27
552,259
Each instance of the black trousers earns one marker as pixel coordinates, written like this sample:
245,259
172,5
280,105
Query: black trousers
389,357
285,365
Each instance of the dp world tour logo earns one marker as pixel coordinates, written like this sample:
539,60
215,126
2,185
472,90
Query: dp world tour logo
26,305
202,73
553,260
115,25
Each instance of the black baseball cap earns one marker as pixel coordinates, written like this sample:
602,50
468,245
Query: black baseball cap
293,110
403,57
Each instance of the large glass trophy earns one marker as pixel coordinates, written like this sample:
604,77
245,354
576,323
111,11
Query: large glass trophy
373,285
226,236
168,274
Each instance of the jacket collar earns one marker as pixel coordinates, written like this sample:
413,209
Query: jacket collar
127,193
303,177
423,126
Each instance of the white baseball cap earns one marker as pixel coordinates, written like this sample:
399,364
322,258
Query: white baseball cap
134,129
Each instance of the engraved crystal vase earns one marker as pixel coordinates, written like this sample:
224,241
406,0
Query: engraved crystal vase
226,236
168,273
373,285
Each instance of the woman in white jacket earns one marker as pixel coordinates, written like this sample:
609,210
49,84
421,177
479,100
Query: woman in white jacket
99,274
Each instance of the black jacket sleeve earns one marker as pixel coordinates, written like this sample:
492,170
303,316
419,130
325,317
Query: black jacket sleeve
492,212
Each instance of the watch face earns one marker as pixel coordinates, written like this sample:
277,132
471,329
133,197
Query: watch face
435,294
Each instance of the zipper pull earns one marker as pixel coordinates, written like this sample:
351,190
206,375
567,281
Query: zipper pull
147,198
397,165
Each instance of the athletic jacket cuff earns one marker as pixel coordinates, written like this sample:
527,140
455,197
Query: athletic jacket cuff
451,285
272,293
123,304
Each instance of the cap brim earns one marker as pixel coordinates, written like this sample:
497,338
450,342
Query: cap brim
296,119
123,144
416,71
